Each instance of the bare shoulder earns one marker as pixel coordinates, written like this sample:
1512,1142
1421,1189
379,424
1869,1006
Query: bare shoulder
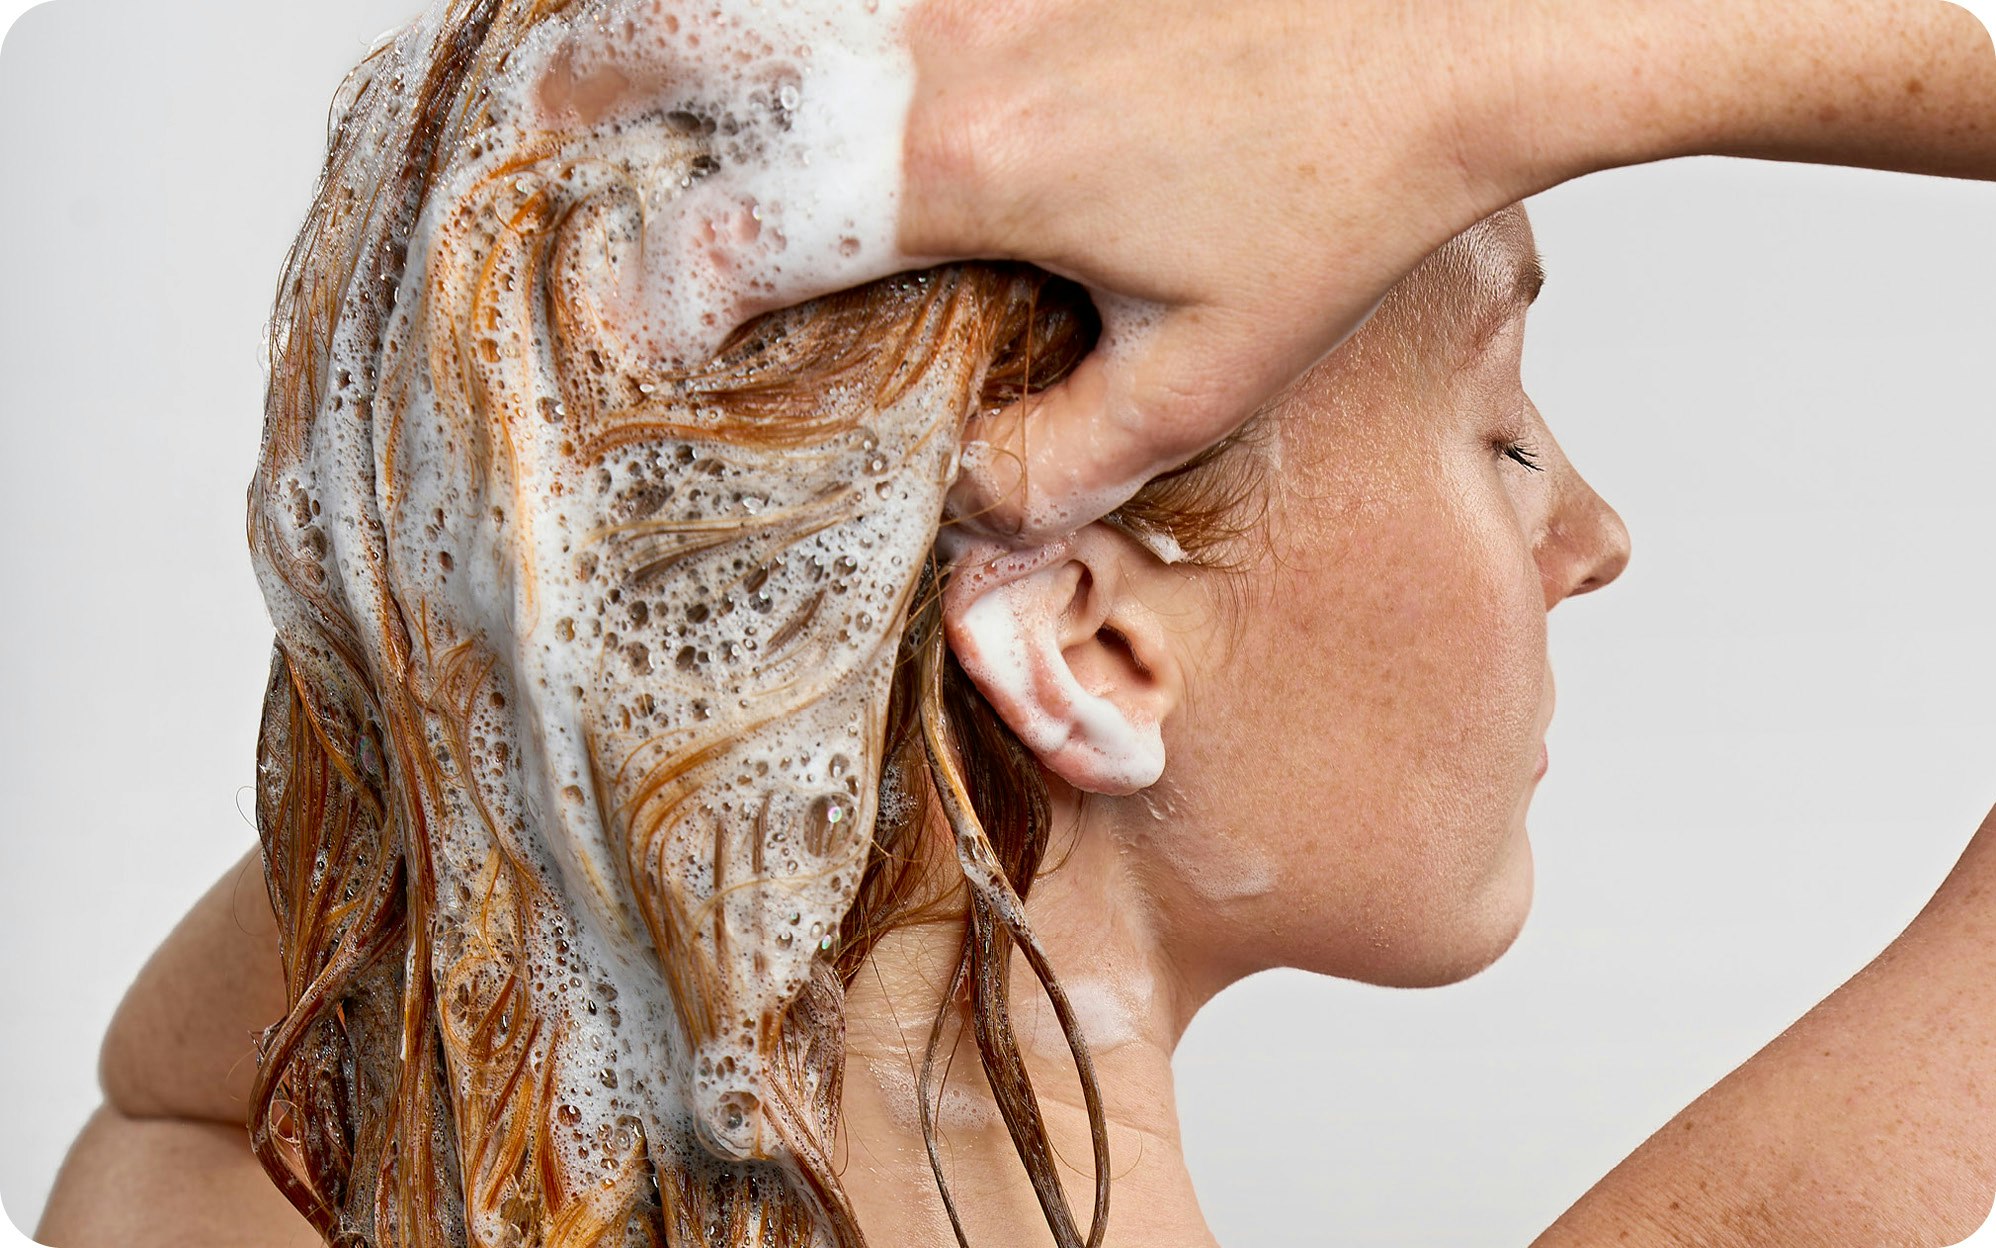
183,1041
167,1183
1867,1121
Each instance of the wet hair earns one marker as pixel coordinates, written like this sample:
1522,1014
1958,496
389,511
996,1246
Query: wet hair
473,513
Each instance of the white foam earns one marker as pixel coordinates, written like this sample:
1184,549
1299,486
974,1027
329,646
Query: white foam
1015,650
1159,543
955,1109
802,106
1245,873
655,669
1111,1011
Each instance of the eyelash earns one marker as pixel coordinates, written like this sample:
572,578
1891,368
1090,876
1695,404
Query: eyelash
1522,453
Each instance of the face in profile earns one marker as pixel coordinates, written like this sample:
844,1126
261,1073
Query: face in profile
1361,722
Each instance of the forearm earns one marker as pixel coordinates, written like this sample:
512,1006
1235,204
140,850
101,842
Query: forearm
1584,85
167,1183
1871,1121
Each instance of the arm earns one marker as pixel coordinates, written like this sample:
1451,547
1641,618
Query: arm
1872,1120
1327,148
166,1160
1907,85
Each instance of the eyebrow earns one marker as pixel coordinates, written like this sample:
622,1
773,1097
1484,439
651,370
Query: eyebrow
1527,279
1531,279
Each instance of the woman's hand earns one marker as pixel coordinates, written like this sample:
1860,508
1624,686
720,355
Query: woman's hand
1237,184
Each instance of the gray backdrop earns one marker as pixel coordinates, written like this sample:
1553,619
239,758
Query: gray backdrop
1774,734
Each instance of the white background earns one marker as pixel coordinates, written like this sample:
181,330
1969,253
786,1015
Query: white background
1774,734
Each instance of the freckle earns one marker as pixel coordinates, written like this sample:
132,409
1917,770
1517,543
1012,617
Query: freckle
1914,86
1827,114
1307,172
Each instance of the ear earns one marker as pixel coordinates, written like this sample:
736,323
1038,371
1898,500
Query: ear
1065,650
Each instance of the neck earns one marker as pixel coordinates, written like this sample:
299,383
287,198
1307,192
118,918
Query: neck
1092,915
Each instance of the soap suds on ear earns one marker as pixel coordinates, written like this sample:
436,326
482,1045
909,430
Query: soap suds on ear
1007,638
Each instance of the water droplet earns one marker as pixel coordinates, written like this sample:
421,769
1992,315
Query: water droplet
825,824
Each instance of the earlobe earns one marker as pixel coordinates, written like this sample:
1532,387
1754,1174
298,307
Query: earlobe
1072,662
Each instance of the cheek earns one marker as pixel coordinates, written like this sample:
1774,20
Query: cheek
1374,736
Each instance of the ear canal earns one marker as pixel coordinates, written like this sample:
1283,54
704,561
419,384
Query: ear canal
1003,616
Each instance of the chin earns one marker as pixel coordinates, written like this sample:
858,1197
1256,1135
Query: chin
1469,936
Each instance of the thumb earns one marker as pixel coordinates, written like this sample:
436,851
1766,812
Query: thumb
1161,386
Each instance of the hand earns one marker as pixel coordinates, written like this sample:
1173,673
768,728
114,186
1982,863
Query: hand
1237,184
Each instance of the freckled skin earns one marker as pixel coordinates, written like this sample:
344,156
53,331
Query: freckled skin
1353,724
1373,724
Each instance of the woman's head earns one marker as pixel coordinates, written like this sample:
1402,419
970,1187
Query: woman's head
1352,714
595,672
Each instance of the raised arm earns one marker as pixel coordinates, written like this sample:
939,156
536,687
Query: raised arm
1872,1120
1256,174
165,1161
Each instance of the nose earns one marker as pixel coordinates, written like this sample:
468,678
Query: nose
1586,544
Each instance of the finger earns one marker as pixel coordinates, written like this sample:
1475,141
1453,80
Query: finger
1161,387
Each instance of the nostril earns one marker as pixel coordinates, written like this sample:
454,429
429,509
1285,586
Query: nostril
1606,553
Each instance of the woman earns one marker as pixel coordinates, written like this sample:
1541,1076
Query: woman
1438,374
612,731
614,771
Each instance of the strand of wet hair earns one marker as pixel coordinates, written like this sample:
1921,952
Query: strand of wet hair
928,1106
996,914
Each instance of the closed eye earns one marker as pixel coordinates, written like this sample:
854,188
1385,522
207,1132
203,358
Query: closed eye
1523,453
